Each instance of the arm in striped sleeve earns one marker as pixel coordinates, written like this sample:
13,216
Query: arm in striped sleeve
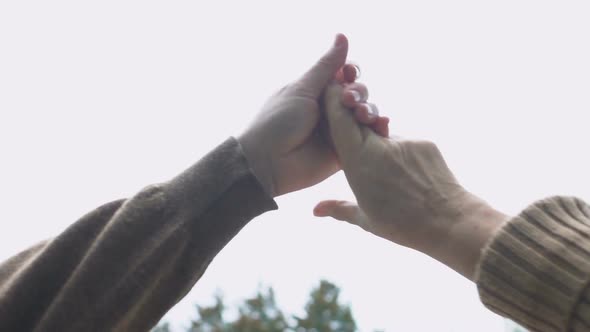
536,269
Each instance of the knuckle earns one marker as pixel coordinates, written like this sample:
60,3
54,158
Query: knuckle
425,145
431,147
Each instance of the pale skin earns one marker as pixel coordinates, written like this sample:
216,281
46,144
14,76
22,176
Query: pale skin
286,145
322,123
406,193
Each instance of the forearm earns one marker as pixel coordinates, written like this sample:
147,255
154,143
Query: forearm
472,227
122,266
259,160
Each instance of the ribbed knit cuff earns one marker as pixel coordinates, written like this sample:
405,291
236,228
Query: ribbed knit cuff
536,269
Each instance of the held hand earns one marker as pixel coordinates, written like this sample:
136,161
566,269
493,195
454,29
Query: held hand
285,145
406,193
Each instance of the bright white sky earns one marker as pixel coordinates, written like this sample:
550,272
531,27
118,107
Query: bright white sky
99,99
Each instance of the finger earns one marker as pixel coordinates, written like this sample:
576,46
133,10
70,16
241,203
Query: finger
344,211
366,113
350,73
345,132
341,210
381,126
324,71
354,93
347,74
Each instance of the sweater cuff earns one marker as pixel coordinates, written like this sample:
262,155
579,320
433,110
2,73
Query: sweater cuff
536,269
222,170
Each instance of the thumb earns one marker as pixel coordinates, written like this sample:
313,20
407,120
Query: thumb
341,210
324,71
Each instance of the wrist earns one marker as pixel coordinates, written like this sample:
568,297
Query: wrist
472,227
259,161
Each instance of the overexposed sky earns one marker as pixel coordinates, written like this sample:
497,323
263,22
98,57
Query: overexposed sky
99,99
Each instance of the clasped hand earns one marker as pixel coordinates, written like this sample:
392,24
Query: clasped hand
405,191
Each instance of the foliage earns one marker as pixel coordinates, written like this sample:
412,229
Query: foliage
258,314
323,313
161,328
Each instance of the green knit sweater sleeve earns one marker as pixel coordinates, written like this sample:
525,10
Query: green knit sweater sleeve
122,266
536,270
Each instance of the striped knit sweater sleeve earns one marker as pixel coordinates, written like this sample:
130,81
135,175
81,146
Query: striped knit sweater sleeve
536,269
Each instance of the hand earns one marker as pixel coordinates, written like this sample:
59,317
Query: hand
406,193
285,145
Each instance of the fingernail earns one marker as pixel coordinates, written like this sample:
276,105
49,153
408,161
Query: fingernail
357,70
356,95
319,212
372,110
339,41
